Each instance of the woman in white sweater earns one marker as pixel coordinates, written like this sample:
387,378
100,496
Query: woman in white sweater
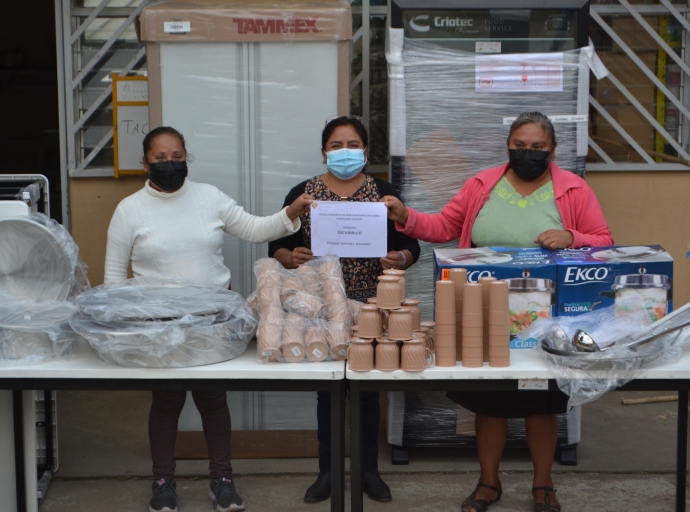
176,226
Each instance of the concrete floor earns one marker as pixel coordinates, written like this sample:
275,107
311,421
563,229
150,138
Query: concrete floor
626,460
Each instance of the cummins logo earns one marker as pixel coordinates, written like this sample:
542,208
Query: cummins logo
576,276
276,25
420,23
473,277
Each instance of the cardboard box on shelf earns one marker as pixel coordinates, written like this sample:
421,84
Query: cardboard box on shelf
531,273
598,277
633,34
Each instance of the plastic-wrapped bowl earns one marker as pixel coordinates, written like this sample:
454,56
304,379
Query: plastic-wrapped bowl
33,333
168,346
35,263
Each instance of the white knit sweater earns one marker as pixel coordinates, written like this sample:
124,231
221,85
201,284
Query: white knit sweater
182,233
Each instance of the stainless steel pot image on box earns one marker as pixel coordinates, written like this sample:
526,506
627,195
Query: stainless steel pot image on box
528,300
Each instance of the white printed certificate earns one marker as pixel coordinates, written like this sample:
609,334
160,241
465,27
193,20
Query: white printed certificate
349,229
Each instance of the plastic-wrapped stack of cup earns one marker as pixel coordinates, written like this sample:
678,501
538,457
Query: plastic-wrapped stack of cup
499,325
445,323
486,293
472,326
459,277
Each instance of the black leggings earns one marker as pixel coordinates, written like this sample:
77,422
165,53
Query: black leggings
215,416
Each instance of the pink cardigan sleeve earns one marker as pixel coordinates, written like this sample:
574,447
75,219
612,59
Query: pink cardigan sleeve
586,222
440,227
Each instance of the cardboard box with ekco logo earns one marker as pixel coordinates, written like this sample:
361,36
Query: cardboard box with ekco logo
597,277
531,275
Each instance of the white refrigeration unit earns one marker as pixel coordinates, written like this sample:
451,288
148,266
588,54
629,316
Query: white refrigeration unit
249,84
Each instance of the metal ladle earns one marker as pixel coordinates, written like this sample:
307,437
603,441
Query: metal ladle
559,339
583,342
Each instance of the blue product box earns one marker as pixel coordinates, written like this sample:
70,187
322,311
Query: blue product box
598,277
531,274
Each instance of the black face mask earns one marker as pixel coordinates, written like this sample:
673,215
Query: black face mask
529,164
168,175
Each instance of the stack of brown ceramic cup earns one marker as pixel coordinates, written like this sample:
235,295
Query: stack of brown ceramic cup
388,292
414,356
445,324
472,326
360,354
486,293
400,324
370,325
413,304
401,282
387,355
499,325
431,333
459,277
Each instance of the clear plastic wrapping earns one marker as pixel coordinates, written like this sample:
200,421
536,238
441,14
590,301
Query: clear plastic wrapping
450,116
155,297
586,376
430,419
216,327
303,313
32,333
39,260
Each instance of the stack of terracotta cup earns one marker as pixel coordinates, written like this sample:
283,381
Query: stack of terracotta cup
472,326
401,282
360,354
499,325
445,324
459,277
486,293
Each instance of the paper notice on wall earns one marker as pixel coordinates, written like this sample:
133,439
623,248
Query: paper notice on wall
519,72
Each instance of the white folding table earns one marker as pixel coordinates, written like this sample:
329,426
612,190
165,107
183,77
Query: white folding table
526,368
85,371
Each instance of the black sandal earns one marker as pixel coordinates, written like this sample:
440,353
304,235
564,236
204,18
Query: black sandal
547,506
481,505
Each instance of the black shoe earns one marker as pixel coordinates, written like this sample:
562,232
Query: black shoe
319,490
164,496
376,488
224,495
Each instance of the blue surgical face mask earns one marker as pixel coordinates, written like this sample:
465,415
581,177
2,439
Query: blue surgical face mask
345,163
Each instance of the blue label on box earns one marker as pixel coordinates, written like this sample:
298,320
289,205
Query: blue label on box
517,265
568,282
592,278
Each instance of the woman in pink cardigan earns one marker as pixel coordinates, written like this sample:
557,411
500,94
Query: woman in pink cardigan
529,201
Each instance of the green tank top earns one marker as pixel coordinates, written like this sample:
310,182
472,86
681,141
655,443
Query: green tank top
510,220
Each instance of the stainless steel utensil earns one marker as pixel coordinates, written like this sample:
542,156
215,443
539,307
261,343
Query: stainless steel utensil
558,338
583,342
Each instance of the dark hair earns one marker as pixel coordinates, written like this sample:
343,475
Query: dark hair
162,130
344,121
534,117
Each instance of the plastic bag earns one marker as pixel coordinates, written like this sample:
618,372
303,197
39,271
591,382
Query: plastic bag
33,333
145,327
155,297
303,313
604,325
587,376
39,260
